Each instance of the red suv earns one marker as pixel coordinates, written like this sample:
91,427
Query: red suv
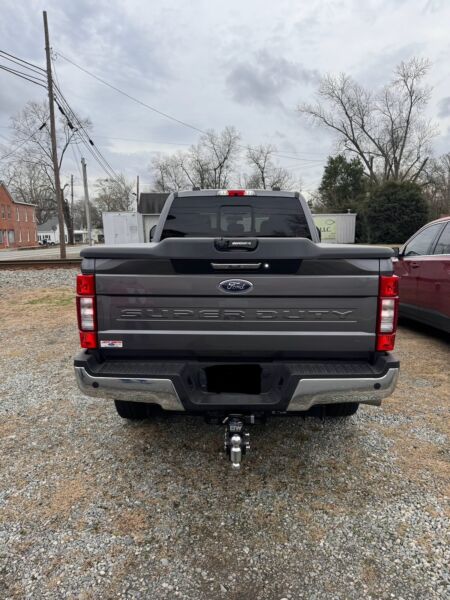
423,265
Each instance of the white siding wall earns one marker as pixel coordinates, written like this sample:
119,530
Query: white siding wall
340,227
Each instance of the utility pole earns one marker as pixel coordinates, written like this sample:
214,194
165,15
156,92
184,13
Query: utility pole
59,204
86,201
72,224
71,195
137,192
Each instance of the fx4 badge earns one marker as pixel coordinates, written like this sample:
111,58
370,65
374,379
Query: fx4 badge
236,286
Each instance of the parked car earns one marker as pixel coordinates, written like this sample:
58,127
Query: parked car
423,265
237,312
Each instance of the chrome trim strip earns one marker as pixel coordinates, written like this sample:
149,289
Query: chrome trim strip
310,392
133,389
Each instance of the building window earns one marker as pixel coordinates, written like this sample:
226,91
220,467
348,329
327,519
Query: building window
11,236
26,214
3,211
28,235
20,235
1,236
34,216
17,214
35,236
8,209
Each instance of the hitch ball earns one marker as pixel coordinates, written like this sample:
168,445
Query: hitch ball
236,451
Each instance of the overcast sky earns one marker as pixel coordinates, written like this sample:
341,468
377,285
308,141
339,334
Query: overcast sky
246,63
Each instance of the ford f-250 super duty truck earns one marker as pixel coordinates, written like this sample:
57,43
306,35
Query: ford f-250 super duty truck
236,311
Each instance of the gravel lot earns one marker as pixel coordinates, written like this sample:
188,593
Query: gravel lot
94,507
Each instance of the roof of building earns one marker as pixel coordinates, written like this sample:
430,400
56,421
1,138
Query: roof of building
24,203
49,224
3,185
151,203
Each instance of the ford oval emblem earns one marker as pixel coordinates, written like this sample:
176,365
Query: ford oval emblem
236,286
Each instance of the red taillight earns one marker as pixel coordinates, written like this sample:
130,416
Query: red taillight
387,313
88,339
86,285
87,311
388,286
385,342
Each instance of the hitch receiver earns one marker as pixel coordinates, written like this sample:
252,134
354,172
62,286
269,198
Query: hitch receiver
237,438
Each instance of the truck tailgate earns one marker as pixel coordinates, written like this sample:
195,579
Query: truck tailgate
304,298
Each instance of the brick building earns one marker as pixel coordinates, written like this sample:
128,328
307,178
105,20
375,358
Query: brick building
17,222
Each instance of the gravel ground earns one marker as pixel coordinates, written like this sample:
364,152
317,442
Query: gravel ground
94,507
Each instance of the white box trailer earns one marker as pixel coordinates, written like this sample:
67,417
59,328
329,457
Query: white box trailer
338,228
122,228
150,222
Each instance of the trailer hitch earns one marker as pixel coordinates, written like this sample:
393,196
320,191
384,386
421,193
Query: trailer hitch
237,438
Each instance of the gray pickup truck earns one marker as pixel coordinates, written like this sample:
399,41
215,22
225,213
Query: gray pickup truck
236,311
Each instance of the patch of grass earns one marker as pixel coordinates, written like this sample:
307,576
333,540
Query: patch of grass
53,300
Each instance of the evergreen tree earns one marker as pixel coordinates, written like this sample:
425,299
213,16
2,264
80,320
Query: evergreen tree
394,212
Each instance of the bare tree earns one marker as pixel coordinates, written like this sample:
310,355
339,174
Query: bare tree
79,215
386,129
209,164
113,194
436,180
31,167
28,184
265,173
168,174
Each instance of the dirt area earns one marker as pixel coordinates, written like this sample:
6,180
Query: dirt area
92,506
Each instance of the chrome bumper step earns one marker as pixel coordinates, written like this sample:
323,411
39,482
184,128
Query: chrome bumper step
309,391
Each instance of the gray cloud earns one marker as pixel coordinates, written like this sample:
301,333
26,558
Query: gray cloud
247,64
263,79
444,107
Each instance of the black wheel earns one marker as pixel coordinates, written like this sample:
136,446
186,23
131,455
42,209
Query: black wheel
131,410
346,409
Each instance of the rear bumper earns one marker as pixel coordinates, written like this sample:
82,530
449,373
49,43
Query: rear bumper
292,387
364,390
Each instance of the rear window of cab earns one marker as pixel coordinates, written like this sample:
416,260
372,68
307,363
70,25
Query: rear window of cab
249,216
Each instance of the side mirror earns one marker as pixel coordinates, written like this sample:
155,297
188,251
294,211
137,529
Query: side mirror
396,252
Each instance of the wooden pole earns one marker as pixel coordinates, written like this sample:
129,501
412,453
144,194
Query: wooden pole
59,204
137,192
86,202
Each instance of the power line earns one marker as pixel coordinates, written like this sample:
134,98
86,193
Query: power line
83,134
164,114
89,144
29,70
152,108
25,76
142,141
25,62
319,160
14,150
77,160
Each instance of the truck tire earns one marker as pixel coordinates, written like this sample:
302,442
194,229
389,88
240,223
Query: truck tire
134,411
346,409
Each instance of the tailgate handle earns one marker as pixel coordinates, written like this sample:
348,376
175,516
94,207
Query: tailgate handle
415,265
230,266
226,244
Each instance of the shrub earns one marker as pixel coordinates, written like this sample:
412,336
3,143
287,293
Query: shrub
394,212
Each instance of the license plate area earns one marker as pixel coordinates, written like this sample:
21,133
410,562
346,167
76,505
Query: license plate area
233,379
235,384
